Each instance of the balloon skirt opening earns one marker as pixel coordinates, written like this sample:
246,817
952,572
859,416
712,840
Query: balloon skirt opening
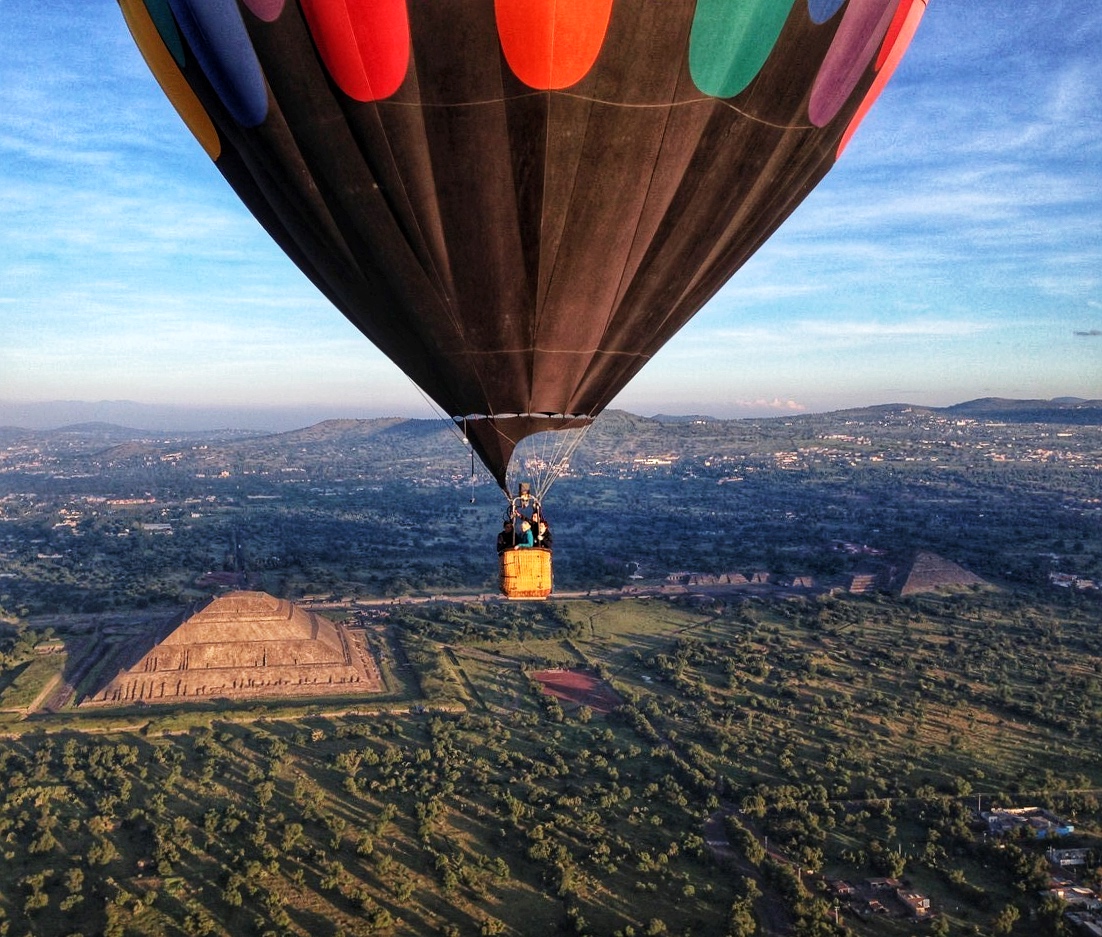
526,573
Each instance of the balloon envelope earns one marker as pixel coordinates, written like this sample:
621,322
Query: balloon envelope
520,201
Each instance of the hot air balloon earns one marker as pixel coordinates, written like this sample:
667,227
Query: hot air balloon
520,201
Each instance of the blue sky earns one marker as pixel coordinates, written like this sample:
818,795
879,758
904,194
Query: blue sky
954,252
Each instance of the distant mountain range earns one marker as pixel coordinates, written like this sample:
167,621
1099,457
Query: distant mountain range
162,417
1058,410
122,420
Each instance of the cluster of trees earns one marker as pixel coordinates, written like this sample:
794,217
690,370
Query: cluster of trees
819,729
853,734
377,825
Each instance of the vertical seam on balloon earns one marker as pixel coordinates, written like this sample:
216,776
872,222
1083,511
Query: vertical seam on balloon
774,208
569,202
669,113
638,222
346,6
669,106
478,371
537,312
437,279
552,26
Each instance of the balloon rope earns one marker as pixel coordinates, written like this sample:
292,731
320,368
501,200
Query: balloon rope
440,415
593,99
451,424
565,451
544,460
472,459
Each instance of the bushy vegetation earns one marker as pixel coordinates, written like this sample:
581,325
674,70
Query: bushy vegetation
842,738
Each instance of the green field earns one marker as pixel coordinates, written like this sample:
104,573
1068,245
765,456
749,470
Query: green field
30,682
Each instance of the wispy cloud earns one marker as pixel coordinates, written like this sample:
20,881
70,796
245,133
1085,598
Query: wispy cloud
958,238
893,330
786,406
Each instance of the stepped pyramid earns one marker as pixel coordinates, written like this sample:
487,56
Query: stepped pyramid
928,572
242,645
862,583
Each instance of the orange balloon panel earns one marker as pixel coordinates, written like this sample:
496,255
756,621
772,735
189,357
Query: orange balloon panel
551,43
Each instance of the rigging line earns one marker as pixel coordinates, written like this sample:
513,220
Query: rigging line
554,447
535,457
548,463
568,448
440,415
702,99
526,459
554,453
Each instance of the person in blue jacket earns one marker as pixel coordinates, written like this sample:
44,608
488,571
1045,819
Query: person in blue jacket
525,538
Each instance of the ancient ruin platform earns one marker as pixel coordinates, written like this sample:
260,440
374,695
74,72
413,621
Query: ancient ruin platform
239,646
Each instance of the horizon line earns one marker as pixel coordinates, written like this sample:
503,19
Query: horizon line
289,417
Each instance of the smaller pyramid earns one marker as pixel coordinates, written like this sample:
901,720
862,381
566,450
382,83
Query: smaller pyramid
928,572
243,645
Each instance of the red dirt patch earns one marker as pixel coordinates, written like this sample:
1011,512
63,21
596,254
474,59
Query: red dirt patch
580,689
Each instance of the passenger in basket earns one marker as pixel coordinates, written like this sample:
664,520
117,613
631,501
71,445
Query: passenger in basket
507,539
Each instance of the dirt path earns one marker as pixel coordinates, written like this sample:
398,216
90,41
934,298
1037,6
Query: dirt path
770,910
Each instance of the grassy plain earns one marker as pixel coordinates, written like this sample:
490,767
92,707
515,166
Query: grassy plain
30,682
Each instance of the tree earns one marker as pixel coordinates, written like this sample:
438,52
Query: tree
101,852
740,919
1005,920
